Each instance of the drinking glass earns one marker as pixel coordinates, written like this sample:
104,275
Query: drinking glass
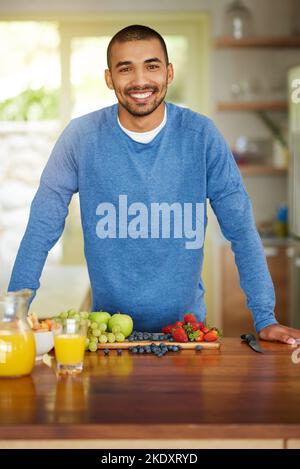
69,344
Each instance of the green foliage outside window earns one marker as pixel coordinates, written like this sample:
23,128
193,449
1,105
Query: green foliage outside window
31,105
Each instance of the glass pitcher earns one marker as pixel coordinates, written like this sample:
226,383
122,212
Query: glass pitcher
17,344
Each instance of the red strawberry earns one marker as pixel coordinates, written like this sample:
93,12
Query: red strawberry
211,336
189,317
178,324
168,329
197,325
204,329
179,335
199,337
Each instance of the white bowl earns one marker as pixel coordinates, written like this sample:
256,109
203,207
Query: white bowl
44,342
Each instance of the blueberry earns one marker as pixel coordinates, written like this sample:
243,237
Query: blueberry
141,350
106,351
198,348
134,350
119,351
170,348
175,348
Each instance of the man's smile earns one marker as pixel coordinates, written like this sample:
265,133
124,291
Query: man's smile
141,96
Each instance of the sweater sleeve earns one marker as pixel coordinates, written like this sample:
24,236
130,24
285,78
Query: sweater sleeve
232,207
48,211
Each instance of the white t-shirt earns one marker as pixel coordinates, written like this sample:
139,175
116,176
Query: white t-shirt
145,137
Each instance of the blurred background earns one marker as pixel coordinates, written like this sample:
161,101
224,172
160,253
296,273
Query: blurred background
232,61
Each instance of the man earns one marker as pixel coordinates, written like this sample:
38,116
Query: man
144,169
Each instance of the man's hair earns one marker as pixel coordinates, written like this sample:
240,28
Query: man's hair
136,32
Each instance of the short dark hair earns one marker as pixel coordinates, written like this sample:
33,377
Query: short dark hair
136,32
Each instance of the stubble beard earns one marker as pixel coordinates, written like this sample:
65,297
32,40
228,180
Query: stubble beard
142,109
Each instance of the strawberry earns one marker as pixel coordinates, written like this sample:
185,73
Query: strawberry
168,329
179,335
200,336
211,336
204,329
189,317
197,325
178,324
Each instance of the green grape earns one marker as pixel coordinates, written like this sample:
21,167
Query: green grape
76,316
111,337
120,337
96,332
71,313
84,314
116,329
64,315
94,325
102,339
102,326
92,347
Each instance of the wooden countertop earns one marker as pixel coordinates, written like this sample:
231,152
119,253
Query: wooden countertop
213,394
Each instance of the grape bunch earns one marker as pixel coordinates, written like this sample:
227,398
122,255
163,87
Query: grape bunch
97,331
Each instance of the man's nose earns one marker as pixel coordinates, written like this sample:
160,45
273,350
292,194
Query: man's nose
140,77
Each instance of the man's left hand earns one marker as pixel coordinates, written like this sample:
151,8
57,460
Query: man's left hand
279,333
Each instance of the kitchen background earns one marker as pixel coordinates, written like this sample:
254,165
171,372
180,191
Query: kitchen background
231,63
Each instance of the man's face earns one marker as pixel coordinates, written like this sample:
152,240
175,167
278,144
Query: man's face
139,75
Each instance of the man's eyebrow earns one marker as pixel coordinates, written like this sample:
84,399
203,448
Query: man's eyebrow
128,62
154,59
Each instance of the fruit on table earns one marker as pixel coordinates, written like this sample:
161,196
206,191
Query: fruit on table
99,317
157,349
37,325
190,329
124,321
98,330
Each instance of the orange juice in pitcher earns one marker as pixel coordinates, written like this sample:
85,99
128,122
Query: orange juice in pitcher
17,345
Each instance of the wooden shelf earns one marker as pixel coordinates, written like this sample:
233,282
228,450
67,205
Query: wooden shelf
253,106
261,170
280,42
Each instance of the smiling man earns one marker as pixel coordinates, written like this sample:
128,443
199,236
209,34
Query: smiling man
144,170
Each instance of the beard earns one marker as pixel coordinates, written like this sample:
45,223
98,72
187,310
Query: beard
142,109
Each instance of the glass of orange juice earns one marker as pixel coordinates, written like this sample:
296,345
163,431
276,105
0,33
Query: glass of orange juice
69,345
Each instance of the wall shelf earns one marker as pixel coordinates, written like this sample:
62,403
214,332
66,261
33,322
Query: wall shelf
280,42
262,170
253,106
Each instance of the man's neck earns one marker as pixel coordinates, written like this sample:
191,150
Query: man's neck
141,123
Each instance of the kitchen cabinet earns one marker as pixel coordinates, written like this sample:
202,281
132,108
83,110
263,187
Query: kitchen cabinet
235,316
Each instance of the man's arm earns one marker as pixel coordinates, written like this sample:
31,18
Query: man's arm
232,206
48,211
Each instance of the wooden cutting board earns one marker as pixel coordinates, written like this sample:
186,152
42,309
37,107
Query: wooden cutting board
183,345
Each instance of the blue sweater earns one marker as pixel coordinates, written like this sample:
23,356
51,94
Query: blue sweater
143,213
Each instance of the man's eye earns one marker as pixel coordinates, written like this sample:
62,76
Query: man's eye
126,69
153,66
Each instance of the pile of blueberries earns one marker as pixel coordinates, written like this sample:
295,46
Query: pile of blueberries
157,349
139,336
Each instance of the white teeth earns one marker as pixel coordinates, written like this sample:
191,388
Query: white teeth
141,95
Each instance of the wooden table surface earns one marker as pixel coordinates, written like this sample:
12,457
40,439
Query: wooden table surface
232,393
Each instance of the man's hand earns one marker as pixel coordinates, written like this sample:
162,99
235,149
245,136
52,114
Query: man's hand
277,332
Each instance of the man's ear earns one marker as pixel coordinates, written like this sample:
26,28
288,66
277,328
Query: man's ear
108,79
170,73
